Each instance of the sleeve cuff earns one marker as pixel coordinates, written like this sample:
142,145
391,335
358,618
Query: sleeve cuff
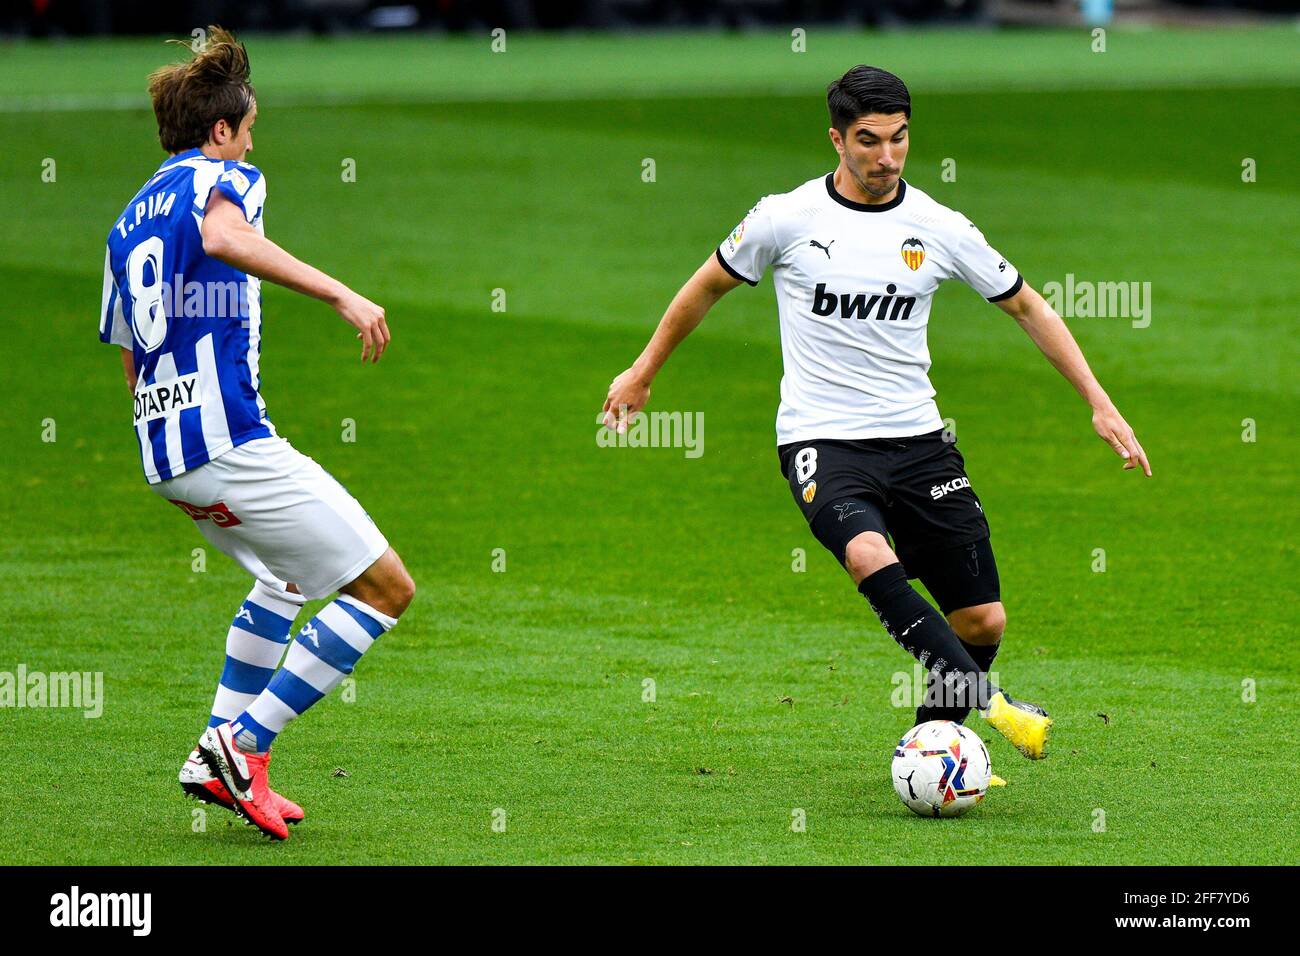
1020,280
230,192
730,271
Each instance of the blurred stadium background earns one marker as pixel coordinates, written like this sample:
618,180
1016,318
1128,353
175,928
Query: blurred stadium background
77,17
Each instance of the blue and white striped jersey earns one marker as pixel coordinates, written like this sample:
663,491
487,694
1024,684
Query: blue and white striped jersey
193,322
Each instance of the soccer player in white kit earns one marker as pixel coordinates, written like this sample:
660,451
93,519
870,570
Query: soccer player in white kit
182,297
856,256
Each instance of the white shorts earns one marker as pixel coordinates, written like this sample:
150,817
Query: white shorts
280,515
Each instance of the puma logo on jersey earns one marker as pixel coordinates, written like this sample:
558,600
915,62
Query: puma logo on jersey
826,248
861,305
310,633
938,491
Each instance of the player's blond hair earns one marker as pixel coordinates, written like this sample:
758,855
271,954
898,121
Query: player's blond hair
190,98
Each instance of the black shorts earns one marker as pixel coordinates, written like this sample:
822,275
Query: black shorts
913,490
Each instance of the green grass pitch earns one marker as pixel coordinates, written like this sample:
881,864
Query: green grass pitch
522,691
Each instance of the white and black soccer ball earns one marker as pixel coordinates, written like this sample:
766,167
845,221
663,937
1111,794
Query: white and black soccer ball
941,769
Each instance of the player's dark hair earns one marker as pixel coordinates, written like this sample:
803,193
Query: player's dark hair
866,89
189,98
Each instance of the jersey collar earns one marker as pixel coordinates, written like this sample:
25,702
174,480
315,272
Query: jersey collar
179,158
862,206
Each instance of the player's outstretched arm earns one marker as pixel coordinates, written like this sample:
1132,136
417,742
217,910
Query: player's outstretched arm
630,391
228,236
1054,340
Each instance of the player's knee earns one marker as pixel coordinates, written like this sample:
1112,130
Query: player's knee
866,554
983,624
401,592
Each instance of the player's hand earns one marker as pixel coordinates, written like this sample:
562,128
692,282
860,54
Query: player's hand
368,319
1114,431
628,394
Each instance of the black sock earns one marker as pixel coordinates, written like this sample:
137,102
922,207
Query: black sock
925,634
982,655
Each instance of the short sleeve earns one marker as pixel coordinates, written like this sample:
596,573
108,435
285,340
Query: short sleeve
751,247
242,184
113,328
981,266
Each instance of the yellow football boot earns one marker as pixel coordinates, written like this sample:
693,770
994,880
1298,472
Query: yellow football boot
1025,725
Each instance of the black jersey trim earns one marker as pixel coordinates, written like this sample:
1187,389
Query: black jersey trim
732,272
1020,280
862,206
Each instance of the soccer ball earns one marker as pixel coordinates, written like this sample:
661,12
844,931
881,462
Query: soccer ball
941,769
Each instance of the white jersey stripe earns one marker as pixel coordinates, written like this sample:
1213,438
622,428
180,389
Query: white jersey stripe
216,430
205,177
146,450
255,338
255,200
166,371
110,290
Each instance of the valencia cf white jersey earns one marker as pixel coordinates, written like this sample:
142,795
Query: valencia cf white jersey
854,283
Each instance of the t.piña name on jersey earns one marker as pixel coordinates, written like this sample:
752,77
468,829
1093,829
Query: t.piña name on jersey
156,204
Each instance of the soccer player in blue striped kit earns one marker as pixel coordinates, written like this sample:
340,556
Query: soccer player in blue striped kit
182,298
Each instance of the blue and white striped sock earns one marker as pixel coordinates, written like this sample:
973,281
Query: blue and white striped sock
254,646
322,655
